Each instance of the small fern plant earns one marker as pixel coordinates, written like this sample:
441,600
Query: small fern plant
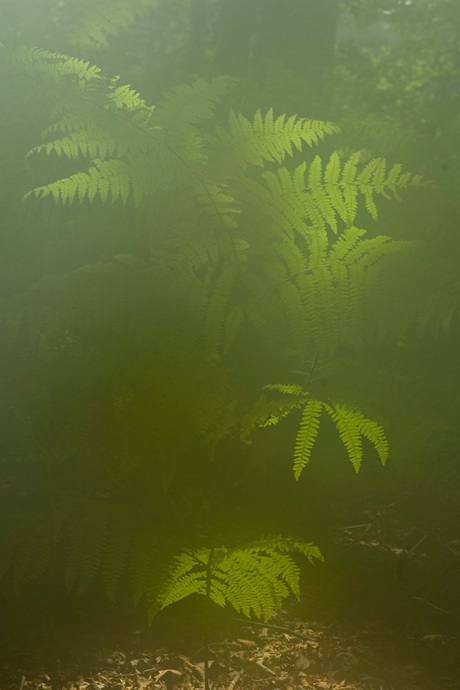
254,579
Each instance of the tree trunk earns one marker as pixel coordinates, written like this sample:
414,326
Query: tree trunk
299,34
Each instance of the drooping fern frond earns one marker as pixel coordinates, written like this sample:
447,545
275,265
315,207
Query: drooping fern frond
306,435
266,412
254,578
350,423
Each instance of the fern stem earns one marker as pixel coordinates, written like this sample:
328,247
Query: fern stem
206,629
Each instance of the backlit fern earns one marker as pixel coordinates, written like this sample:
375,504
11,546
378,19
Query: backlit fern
139,350
253,578
350,423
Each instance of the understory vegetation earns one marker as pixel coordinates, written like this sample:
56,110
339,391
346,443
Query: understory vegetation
222,297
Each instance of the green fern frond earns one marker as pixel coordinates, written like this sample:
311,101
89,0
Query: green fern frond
49,69
266,138
372,179
254,579
352,425
269,412
376,435
335,192
133,149
306,436
286,388
347,424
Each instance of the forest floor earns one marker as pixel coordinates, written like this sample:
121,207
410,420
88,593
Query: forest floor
288,654
357,627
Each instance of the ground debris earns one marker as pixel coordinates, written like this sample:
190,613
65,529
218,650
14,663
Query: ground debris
334,658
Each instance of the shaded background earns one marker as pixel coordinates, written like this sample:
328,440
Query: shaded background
388,74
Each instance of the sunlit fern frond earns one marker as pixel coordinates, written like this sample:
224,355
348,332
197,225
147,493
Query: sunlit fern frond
336,189
254,578
351,424
268,412
129,149
306,435
265,138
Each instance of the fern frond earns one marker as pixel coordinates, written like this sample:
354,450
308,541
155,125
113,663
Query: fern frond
254,578
266,138
306,436
347,424
352,425
335,192
269,412
287,388
376,435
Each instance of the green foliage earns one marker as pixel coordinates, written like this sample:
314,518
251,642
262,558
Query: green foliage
350,423
93,24
254,579
138,350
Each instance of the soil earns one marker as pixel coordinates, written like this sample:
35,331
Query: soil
287,653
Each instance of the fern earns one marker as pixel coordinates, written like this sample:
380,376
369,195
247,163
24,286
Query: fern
350,423
334,193
306,436
269,412
254,579
93,25
134,151
130,145
228,245
266,138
